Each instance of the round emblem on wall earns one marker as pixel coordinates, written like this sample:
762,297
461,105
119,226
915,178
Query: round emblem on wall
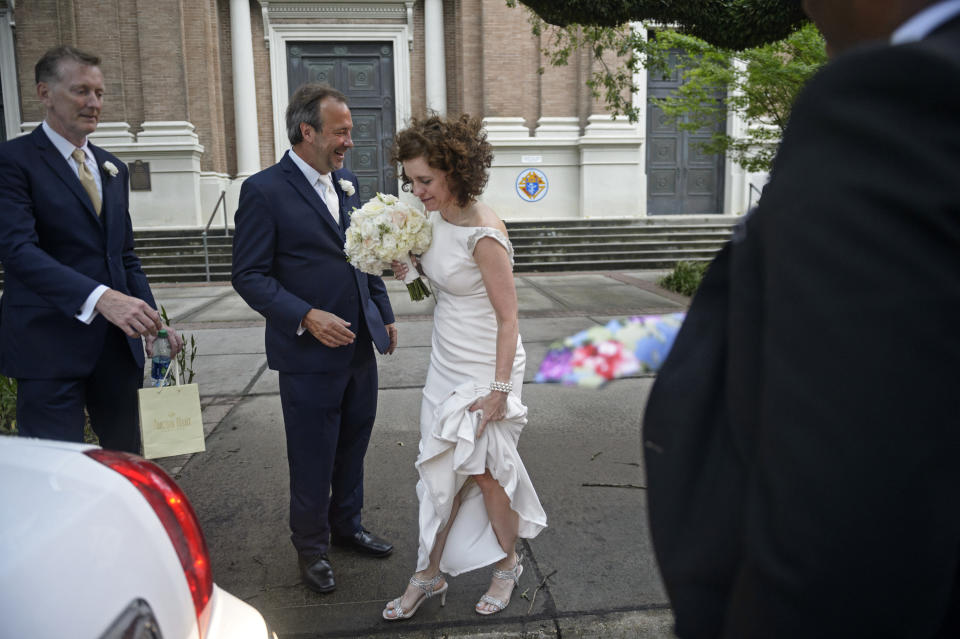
532,185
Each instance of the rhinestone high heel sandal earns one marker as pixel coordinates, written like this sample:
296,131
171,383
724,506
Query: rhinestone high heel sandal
429,589
512,575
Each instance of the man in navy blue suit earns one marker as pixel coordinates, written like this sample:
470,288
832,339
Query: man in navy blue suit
801,439
322,315
76,302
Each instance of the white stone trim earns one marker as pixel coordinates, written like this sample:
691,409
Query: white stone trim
603,125
558,127
506,128
8,69
244,89
639,98
110,134
280,34
435,60
169,133
374,9
593,176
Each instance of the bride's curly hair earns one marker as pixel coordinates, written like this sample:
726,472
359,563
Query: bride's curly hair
455,145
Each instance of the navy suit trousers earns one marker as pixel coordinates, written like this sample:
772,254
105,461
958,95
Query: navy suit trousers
328,418
53,408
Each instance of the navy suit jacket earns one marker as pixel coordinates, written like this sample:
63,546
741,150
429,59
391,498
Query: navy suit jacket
288,257
801,440
55,250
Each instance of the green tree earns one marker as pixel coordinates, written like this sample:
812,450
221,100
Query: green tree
730,24
758,84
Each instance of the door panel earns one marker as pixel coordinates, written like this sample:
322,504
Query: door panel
681,178
363,71
365,159
322,72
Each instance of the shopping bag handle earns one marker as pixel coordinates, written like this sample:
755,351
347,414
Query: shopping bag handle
173,363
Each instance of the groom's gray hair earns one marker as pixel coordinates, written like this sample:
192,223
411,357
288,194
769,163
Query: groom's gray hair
305,107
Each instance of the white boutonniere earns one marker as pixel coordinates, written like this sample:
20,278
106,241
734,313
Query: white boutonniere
347,187
111,168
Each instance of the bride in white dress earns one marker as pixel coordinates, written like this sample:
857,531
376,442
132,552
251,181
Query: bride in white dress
476,497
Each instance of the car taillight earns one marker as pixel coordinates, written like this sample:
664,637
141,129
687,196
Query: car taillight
178,519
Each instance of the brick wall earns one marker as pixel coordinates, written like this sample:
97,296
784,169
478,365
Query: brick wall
450,55
226,82
560,86
202,78
162,60
43,24
418,73
128,35
511,84
465,68
261,68
171,60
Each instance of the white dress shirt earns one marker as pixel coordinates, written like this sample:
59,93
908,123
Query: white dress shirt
924,22
322,183
88,311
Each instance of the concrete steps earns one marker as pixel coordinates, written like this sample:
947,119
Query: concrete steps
613,244
177,256
576,245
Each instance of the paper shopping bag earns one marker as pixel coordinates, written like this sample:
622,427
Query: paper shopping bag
170,420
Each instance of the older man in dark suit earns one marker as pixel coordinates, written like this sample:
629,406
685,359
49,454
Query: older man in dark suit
76,302
322,315
802,439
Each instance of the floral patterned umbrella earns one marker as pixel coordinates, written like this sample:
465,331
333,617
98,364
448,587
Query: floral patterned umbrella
622,347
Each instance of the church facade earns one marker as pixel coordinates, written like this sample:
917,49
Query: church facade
197,90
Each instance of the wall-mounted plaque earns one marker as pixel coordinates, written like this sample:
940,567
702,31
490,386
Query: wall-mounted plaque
139,175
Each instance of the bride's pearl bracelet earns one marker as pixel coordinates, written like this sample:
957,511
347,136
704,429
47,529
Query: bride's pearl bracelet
503,387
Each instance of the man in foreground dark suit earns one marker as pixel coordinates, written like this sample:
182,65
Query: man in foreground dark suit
75,302
802,439
322,314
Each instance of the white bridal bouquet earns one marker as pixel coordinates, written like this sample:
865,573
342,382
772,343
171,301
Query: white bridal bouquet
386,229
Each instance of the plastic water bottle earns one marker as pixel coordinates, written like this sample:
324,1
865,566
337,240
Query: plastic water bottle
161,361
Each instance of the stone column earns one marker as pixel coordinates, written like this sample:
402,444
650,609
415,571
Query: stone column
244,89
436,66
8,75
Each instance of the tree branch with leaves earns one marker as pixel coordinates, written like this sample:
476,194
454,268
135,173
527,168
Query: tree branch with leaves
728,24
758,84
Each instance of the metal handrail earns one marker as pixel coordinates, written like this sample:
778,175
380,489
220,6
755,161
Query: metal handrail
750,198
226,232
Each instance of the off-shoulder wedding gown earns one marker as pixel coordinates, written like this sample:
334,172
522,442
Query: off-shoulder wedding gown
462,363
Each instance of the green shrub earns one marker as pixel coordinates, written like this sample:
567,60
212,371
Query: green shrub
187,354
685,278
8,406
8,411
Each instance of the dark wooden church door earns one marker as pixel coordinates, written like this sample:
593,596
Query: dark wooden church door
364,72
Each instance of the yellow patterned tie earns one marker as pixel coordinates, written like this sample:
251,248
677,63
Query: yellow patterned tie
86,178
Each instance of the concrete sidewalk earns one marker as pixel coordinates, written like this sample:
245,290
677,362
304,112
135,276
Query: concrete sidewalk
591,573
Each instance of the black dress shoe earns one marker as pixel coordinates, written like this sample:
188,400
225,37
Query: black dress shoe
364,541
316,573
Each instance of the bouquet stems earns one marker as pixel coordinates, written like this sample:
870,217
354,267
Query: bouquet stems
415,286
418,290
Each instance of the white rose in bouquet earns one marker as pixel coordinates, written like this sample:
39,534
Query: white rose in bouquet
386,229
